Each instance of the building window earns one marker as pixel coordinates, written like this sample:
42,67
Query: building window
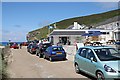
105,32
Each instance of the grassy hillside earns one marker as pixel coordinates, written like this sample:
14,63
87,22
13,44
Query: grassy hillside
87,20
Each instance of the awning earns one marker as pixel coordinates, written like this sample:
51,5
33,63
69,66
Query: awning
86,34
92,33
95,34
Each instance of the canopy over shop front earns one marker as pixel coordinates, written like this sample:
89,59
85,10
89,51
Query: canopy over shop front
92,33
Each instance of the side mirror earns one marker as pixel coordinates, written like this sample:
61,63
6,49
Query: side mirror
93,59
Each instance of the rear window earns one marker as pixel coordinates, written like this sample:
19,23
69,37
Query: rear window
15,44
34,46
57,49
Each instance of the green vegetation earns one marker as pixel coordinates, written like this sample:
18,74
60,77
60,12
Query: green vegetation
87,20
0,63
3,63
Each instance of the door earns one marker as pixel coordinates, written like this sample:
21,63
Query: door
91,62
81,58
64,40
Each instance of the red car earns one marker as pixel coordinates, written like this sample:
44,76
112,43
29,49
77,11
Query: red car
14,46
24,44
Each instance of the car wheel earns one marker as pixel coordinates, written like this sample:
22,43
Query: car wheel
30,51
37,53
64,58
44,56
27,50
77,70
50,58
100,76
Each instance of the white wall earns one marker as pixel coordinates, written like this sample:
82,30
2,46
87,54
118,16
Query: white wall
55,39
106,37
77,26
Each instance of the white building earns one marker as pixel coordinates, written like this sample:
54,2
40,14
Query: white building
109,29
76,36
78,26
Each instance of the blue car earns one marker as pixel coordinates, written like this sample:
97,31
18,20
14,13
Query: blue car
101,62
54,52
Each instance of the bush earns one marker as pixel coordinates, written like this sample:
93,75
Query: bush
4,53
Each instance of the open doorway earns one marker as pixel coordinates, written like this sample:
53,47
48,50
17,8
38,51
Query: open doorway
63,40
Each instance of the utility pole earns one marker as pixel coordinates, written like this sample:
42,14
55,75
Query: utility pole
48,29
55,25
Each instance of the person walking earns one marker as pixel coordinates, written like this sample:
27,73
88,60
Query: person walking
20,45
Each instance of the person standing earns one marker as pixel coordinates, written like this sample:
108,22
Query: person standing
20,45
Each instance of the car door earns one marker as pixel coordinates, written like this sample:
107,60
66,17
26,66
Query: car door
47,52
81,58
91,62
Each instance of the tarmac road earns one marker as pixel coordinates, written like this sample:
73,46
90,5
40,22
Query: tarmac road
26,65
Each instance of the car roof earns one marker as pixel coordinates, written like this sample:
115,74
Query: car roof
96,47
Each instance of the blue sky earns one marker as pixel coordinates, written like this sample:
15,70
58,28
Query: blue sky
18,18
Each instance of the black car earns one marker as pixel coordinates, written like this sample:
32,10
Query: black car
41,48
32,48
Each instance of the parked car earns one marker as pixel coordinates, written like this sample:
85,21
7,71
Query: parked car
32,48
10,44
54,52
100,62
24,44
41,48
14,46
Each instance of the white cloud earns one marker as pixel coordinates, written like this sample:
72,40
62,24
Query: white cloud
14,36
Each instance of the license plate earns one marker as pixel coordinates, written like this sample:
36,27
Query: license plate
59,53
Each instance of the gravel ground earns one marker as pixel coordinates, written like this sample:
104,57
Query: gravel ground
26,65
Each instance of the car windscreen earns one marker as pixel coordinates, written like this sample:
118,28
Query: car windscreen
107,54
34,46
15,45
57,49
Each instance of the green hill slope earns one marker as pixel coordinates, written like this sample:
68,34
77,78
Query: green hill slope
87,20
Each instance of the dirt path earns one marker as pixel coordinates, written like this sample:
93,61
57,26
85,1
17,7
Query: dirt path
26,65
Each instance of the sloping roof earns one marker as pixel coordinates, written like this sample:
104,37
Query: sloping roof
72,32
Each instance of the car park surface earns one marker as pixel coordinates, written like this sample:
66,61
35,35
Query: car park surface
98,61
29,66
